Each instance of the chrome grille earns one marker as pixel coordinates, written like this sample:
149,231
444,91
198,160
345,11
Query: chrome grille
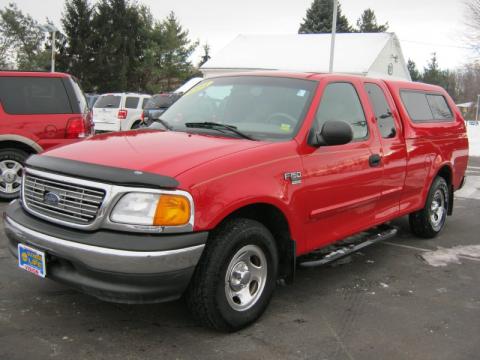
64,201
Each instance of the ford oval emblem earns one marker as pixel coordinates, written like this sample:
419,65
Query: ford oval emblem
51,198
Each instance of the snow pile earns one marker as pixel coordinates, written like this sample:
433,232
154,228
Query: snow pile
473,138
445,256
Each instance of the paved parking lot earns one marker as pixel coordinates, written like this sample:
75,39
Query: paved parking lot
386,303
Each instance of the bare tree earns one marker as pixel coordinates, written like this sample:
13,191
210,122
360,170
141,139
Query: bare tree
473,22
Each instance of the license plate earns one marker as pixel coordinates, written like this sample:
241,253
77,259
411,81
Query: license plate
32,260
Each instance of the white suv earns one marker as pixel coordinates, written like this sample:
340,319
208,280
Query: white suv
119,111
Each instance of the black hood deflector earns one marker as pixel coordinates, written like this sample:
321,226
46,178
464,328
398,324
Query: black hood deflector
105,174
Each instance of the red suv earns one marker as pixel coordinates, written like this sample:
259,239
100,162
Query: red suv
38,111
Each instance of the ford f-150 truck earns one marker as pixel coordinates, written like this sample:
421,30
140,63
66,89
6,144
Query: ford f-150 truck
235,185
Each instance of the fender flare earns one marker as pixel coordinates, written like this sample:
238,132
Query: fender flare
22,139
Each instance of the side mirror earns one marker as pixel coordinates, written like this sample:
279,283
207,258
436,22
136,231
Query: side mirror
333,133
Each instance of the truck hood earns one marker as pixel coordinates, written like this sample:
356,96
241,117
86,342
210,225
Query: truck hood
166,153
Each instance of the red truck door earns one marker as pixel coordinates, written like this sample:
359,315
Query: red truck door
343,183
393,154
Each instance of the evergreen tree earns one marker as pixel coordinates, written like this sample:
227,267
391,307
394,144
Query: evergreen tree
414,73
432,73
206,55
176,49
76,56
319,19
119,41
367,23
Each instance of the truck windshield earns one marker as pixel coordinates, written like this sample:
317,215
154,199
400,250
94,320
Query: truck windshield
262,107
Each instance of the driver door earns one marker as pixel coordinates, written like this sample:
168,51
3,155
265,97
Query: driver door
341,183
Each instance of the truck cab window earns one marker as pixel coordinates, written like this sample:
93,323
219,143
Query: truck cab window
340,102
383,113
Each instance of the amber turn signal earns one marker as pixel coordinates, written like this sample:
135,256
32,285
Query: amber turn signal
172,210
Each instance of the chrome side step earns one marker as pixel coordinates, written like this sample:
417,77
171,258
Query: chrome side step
347,246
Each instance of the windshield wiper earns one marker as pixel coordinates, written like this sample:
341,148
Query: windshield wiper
218,127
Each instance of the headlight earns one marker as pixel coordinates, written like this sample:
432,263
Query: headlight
152,210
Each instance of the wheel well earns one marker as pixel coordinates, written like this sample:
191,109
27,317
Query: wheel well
9,144
446,173
276,222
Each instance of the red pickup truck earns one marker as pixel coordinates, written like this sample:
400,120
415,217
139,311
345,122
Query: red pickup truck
235,185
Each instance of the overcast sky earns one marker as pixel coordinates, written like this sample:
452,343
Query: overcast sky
423,26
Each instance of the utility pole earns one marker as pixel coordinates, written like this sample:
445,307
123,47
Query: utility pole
478,103
334,32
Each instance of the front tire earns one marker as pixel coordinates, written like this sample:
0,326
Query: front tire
429,221
11,172
236,276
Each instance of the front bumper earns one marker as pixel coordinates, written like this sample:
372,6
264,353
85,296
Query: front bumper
129,273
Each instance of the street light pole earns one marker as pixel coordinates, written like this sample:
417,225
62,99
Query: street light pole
50,28
334,32
53,51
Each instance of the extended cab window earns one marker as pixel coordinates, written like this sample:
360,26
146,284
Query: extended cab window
423,107
34,95
383,112
340,102
131,102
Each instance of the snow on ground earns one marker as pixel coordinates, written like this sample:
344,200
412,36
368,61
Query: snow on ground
445,256
473,138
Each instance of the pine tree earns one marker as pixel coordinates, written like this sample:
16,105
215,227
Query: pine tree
119,42
77,54
176,49
206,55
319,19
367,23
414,73
432,73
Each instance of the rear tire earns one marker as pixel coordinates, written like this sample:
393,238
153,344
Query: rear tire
11,172
236,276
429,221
136,125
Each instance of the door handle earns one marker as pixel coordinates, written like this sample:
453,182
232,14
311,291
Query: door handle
374,160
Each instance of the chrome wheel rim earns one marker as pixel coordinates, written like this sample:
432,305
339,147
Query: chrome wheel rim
437,210
11,173
246,277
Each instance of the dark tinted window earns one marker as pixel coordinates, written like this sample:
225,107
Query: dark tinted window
340,102
383,112
82,100
108,101
131,102
34,95
426,107
144,102
439,106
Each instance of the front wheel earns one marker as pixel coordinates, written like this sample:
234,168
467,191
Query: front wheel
429,221
11,172
236,276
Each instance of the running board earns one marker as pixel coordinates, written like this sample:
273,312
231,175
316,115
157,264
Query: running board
348,246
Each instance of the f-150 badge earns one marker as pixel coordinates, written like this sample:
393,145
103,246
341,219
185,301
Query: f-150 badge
294,177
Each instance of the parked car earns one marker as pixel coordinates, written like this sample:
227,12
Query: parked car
157,105
255,174
38,111
119,111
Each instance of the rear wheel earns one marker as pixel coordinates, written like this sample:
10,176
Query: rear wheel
11,172
236,276
136,125
429,221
